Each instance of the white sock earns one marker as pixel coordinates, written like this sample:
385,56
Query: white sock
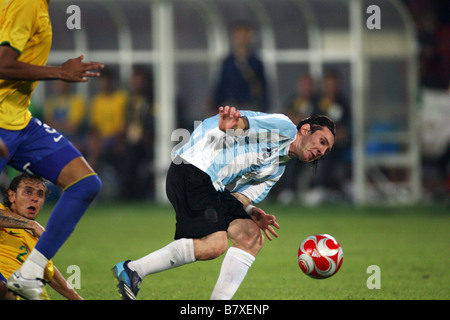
175,254
234,269
34,265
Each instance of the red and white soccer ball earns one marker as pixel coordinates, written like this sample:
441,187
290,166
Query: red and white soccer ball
320,256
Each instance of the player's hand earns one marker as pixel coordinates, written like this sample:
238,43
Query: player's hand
75,70
38,230
265,222
228,118
3,150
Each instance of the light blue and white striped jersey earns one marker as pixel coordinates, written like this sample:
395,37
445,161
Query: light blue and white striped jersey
253,160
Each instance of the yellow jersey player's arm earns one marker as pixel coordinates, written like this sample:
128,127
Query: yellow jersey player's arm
12,220
25,42
74,70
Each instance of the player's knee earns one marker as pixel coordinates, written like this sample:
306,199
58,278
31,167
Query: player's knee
87,188
254,243
251,240
95,185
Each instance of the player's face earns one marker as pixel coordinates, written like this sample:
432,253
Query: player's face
29,198
316,145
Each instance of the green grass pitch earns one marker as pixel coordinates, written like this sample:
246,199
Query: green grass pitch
410,245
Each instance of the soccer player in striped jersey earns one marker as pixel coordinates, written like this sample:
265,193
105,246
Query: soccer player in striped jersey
29,145
244,149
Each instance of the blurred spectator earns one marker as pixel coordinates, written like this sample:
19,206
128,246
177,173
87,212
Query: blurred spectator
333,173
432,22
299,106
65,111
304,101
137,179
242,80
107,124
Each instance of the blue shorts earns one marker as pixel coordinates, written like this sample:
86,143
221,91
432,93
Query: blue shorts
2,278
38,149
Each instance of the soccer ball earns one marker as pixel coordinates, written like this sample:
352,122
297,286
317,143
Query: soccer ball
320,256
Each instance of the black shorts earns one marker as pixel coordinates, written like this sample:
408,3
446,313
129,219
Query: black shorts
200,209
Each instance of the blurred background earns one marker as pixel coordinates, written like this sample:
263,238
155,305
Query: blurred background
382,75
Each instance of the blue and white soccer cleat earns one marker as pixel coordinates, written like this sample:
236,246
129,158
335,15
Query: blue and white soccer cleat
31,289
129,282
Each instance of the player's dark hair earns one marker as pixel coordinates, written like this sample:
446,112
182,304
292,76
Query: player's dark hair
15,184
318,122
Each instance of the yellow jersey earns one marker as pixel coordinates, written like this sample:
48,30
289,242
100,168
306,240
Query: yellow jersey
15,246
25,26
70,109
108,113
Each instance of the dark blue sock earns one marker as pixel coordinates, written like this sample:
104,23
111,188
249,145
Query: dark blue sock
68,211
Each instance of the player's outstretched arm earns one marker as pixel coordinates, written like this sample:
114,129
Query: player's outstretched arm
73,70
230,119
12,220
